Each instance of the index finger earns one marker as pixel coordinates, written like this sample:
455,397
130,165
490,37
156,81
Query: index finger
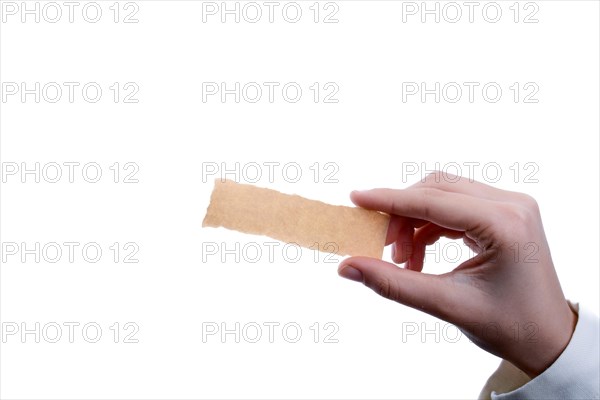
447,209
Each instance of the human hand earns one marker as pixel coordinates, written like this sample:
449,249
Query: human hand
509,284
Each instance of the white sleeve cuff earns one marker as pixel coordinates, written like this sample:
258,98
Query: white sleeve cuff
574,375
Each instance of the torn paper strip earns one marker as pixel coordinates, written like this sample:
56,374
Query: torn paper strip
294,219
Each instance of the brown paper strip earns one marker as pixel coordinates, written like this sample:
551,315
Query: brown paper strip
294,219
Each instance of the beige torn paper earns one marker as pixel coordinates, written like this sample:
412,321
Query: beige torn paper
294,219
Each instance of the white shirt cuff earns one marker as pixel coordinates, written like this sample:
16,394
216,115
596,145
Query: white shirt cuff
574,375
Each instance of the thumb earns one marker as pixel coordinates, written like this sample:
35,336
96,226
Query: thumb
425,292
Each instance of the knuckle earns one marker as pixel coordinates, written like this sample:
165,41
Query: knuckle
515,215
516,220
529,202
437,177
433,177
427,196
383,286
429,192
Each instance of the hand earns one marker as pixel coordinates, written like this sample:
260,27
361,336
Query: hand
499,288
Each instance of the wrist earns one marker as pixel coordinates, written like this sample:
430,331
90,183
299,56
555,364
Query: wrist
542,356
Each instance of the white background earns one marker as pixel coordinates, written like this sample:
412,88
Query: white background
371,135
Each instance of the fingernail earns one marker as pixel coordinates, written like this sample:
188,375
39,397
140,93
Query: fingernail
351,273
